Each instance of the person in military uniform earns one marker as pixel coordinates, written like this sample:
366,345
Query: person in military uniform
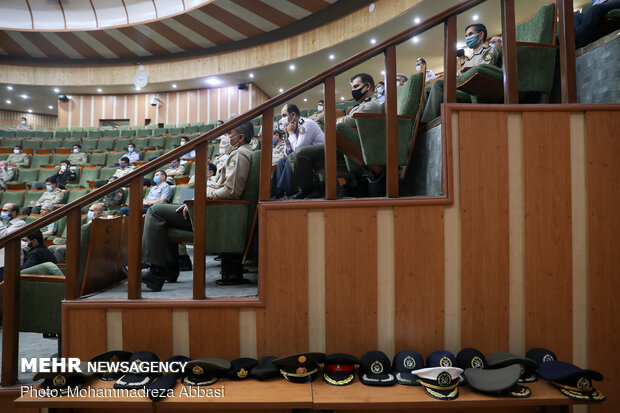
123,167
17,159
175,169
78,157
60,250
113,198
279,147
319,115
23,125
53,196
475,38
6,174
229,183
63,175
420,65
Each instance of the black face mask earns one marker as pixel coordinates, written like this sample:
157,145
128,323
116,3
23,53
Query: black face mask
357,93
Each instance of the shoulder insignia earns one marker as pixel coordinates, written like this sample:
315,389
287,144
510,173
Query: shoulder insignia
488,56
302,130
301,121
232,164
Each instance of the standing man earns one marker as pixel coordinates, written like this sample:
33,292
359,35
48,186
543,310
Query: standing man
6,174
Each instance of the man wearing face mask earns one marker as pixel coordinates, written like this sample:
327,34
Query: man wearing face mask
279,147
401,79
229,183
10,223
37,252
161,192
132,155
420,65
53,195
380,92
23,125
475,39
175,169
319,115
496,41
77,157
17,159
189,155
123,168
6,174
63,175
60,250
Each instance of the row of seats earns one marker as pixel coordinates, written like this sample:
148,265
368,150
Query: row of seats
90,145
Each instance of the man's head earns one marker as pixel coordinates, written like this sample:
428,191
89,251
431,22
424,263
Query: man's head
475,35
380,88
9,211
46,208
34,239
131,147
4,164
77,148
160,177
219,123
277,135
291,112
184,140
242,134
320,106
362,86
95,211
64,165
401,79
17,149
50,184
211,169
123,162
112,179
495,41
175,162
420,64
23,121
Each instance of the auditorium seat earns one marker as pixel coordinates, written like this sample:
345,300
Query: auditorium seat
69,142
43,134
113,158
39,160
157,142
121,144
141,143
32,143
89,145
76,193
14,196
106,144
110,133
88,174
172,142
51,143
27,175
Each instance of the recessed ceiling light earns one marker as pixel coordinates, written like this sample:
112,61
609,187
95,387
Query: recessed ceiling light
251,75
332,57
292,67
281,90
99,90
383,72
417,20
213,81
29,110
137,88
10,87
50,107
8,101
56,90
474,17
373,41
415,39
341,97
371,8
174,85
24,96
305,99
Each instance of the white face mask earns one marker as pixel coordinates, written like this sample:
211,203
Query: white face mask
418,68
224,144
23,121
284,122
63,167
492,45
76,150
182,143
16,151
319,108
91,214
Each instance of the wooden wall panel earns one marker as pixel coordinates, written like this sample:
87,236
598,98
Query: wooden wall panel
484,230
204,105
282,326
13,118
350,280
223,103
86,111
548,233
148,329
78,343
109,108
191,96
419,282
603,173
213,104
214,333
141,112
233,94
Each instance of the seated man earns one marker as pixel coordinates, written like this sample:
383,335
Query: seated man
175,169
496,41
17,159
50,229
113,198
420,65
9,223
53,196
132,155
304,160
189,155
23,125
279,147
319,115
401,79
229,183
475,38
160,193
78,157
63,175
60,250
211,171
6,174
123,167
37,252
380,92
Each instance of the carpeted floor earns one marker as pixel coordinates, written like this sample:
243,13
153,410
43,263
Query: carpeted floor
32,345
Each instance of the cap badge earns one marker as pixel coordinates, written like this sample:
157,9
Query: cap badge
444,379
376,367
583,383
59,380
301,359
242,374
197,370
338,367
445,362
409,362
487,57
301,370
548,357
477,363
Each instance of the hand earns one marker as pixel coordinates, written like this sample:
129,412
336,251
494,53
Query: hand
183,208
32,203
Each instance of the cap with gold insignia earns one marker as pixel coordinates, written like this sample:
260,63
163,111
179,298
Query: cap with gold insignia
502,359
58,384
339,369
540,355
157,388
137,379
204,371
113,356
376,369
441,358
440,382
572,381
470,358
301,367
501,382
265,369
240,368
404,364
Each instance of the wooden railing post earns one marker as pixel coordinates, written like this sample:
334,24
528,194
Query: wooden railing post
568,76
200,220
10,315
329,93
74,224
265,156
509,53
449,60
134,255
391,125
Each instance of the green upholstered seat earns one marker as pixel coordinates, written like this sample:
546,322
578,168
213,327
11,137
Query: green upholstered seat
78,134
89,174
205,128
126,133
110,133
141,133
141,143
157,142
172,142
39,160
114,157
76,193
98,158
69,142
51,144
121,144
43,134
28,175
24,134
175,130
191,129
62,134
14,197
159,131
89,145
32,143
94,134
106,144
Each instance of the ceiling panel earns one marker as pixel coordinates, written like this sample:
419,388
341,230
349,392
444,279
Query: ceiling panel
15,15
46,15
140,10
79,15
110,12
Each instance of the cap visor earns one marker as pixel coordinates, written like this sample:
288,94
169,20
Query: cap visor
493,381
378,379
449,394
408,379
132,381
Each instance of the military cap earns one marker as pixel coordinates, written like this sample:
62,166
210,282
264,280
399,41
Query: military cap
135,378
157,388
404,363
572,381
376,369
441,358
502,359
113,356
470,358
440,382
339,369
502,381
58,384
240,368
204,371
301,367
265,369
